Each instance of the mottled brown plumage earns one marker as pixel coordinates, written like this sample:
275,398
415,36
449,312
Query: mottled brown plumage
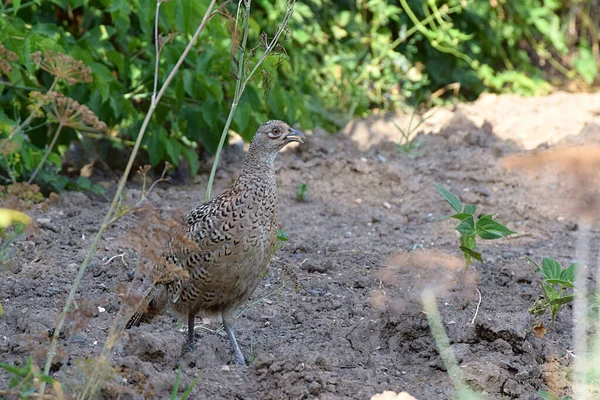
233,236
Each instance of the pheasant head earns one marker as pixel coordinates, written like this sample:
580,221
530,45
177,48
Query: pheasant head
269,139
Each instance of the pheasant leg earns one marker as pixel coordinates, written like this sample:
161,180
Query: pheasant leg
228,324
190,337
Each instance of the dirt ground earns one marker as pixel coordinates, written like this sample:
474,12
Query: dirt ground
355,327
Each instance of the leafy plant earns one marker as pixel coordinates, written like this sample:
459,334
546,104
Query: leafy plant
188,391
24,381
407,142
471,227
301,192
282,235
555,281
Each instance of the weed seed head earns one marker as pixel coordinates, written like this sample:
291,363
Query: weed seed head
63,66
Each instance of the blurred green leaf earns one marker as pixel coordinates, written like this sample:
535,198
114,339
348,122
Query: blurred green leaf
450,198
586,63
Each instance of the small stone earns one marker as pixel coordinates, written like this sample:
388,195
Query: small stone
387,205
560,218
358,201
77,339
43,220
512,388
522,375
101,309
225,368
348,235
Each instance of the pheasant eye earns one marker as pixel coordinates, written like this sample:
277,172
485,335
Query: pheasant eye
274,133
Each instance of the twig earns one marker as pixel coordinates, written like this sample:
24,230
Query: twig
117,256
477,309
105,223
145,194
46,154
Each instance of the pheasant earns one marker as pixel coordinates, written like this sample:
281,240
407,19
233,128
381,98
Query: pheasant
233,238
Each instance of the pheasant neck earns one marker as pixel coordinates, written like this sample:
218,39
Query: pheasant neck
259,168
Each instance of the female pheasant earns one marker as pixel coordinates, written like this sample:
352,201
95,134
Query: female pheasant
233,236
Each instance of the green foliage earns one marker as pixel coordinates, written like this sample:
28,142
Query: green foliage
116,42
470,227
301,192
407,143
282,235
24,380
188,391
555,280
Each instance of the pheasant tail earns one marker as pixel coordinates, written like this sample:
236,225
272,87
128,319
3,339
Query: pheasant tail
154,303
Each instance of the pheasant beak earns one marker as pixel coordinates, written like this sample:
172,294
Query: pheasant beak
295,136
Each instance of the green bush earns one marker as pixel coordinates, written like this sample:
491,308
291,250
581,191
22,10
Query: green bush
115,40
343,59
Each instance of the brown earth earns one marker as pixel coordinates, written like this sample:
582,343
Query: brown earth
362,248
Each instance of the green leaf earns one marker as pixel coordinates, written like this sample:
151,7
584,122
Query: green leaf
192,159
241,118
155,143
562,300
13,369
489,229
471,253
16,5
551,268
173,149
460,216
586,64
188,82
282,235
102,79
470,209
450,198
188,391
466,227
84,183
212,86
548,291
538,269
568,274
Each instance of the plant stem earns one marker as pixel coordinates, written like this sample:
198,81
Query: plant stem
157,49
46,154
99,136
10,9
237,94
117,196
242,81
273,42
580,322
443,344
